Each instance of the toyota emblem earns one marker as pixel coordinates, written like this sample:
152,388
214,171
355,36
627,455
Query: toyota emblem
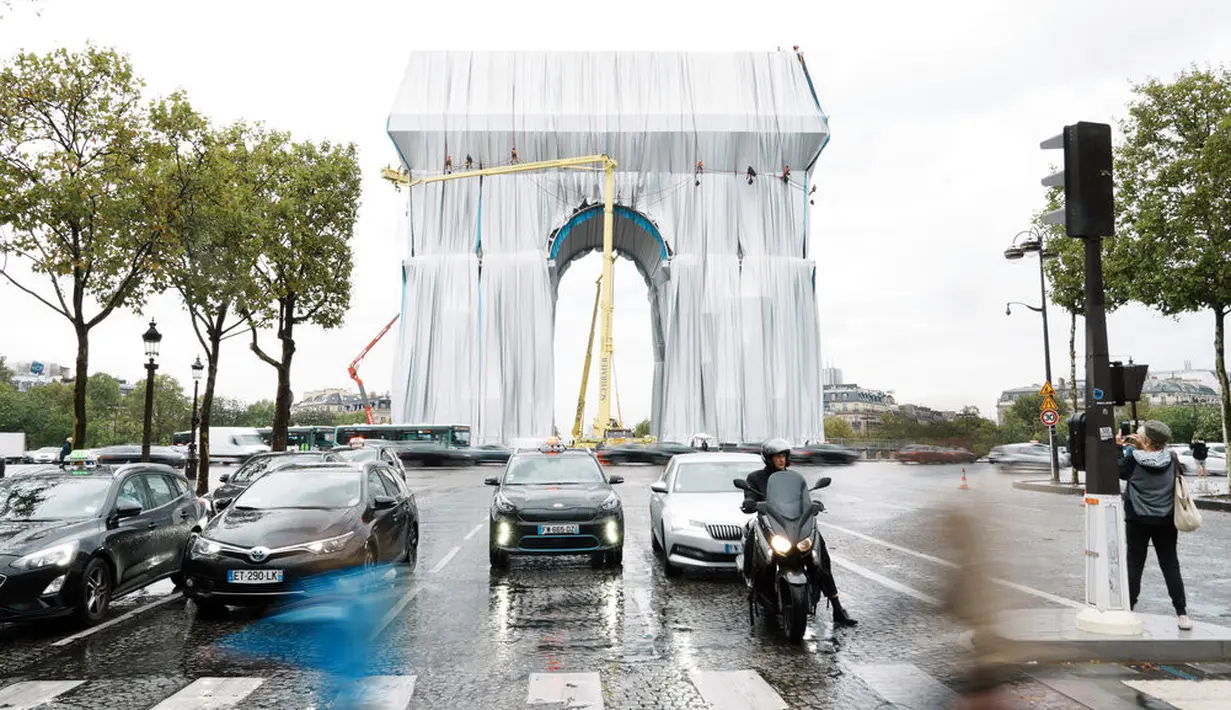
258,554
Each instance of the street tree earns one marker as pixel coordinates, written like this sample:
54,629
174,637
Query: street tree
838,428
1174,178
6,373
302,274
77,191
642,429
217,230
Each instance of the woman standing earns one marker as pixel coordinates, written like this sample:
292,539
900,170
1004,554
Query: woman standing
1149,510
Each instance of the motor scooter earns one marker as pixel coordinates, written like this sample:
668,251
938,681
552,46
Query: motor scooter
785,547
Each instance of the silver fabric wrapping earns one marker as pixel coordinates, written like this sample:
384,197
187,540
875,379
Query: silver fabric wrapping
731,285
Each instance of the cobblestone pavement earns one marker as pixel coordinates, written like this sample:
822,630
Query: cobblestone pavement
555,633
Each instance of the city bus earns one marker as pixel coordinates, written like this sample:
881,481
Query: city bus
446,435
302,438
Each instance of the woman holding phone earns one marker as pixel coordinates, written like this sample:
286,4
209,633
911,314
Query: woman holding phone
1149,510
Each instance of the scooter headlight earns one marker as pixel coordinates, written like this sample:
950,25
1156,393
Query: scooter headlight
804,544
780,544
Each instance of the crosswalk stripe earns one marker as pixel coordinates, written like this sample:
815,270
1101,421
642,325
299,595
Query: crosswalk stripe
384,692
576,691
32,693
904,685
1187,694
736,690
211,694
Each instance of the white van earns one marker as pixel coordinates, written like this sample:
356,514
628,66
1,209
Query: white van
234,444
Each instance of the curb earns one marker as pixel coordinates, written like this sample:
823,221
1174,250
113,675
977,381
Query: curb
1069,489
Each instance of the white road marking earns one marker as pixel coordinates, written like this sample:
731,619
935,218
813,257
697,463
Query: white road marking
1186,694
904,685
384,692
211,694
884,581
736,690
946,563
473,530
393,613
445,560
117,620
575,691
32,693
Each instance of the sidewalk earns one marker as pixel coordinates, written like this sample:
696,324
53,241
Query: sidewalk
1213,497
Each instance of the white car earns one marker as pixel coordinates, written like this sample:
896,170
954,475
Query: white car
1215,460
695,516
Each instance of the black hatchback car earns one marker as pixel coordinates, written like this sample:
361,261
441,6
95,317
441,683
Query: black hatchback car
72,540
256,466
556,503
294,526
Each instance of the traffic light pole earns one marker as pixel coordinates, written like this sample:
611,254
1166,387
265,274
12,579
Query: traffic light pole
1108,610
1051,429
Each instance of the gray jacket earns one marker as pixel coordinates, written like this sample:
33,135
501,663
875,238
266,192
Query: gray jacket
1149,496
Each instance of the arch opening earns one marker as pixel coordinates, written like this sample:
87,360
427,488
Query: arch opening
635,237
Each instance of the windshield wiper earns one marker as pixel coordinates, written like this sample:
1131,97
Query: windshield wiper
244,507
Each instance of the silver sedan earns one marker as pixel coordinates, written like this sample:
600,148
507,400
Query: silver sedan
695,517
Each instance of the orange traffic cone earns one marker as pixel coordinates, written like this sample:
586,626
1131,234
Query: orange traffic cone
963,487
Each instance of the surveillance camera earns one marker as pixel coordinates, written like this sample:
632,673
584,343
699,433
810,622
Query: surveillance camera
1008,310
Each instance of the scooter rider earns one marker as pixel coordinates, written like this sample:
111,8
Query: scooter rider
777,456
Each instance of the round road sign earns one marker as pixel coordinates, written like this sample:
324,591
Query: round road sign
1049,417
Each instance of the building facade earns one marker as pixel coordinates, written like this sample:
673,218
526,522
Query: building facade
860,407
340,401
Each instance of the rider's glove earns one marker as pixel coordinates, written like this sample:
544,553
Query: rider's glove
748,506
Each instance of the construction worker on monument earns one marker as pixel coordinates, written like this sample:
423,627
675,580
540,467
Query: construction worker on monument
776,453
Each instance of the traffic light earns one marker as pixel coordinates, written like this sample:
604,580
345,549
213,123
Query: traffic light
1077,441
1126,382
1089,201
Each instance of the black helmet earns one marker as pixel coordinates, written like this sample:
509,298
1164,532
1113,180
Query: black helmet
772,448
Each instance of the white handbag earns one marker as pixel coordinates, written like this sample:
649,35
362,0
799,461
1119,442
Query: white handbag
1187,517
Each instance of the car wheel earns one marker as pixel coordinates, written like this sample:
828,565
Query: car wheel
499,559
412,547
94,594
655,545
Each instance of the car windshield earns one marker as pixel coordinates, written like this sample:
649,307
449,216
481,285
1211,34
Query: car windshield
52,498
461,437
254,467
553,469
710,477
366,454
339,488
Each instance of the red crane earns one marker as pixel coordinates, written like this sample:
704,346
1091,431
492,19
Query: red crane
354,373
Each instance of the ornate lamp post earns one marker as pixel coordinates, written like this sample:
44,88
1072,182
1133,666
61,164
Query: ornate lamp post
197,369
152,338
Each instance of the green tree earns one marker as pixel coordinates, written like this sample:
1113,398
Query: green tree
1174,177
104,406
303,275
77,196
6,373
222,176
838,428
642,429
172,410
259,414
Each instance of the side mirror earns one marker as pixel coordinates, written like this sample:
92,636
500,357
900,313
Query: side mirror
127,509
224,478
741,484
492,481
658,487
818,507
824,482
615,479
384,502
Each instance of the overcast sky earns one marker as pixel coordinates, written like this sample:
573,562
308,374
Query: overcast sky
937,110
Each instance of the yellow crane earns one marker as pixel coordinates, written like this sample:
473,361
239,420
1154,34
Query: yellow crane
585,369
603,421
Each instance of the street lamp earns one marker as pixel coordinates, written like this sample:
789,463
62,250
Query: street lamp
152,338
197,369
1034,244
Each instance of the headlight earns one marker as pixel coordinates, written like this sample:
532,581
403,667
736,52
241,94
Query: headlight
804,544
611,503
504,505
204,547
58,556
682,521
780,544
328,545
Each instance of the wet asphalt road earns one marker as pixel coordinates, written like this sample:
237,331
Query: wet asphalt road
472,638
